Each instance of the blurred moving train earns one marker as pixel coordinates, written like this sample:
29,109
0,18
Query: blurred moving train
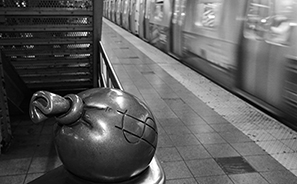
246,46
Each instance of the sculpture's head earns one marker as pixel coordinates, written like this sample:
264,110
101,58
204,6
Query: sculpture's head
102,135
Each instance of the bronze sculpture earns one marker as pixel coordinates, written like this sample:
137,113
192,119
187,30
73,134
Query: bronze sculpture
102,135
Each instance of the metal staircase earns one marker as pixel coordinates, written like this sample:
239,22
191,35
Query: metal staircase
48,45
52,43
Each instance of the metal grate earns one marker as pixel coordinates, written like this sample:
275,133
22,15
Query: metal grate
20,38
53,20
49,42
69,4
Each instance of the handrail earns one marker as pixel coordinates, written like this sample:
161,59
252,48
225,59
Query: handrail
107,75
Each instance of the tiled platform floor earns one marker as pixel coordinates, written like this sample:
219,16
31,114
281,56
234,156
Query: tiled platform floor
206,135
31,153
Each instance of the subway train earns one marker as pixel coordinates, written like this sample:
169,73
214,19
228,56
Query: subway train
248,47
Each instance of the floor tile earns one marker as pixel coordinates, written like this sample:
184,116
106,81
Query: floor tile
259,135
45,150
274,147
28,129
221,179
291,143
176,170
221,150
223,127
248,148
194,120
26,140
235,165
47,130
193,152
204,167
168,154
14,166
164,141
165,122
163,113
279,177
177,105
14,179
244,126
177,130
289,160
31,177
184,140
248,178
264,163
203,128
16,151
45,139
43,164
161,131
234,137
210,116
210,138
267,122
164,94
283,133
182,181
294,171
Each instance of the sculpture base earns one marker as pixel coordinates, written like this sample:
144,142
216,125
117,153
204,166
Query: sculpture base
152,175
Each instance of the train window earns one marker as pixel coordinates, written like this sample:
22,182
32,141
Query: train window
147,9
159,10
125,9
183,11
176,11
269,20
280,22
256,23
119,6
208,13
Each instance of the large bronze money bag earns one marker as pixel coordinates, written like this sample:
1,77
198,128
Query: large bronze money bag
101,135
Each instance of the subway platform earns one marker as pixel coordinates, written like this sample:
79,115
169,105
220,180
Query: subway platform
206,134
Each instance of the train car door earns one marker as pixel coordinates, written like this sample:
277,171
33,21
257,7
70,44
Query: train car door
126,14
118,12
113,11
177,20
132,16
137,5
122,2
147,16
142,4
265,45
160,23
104,8
109,9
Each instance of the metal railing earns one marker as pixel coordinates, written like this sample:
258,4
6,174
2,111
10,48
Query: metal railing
5,130
107,75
